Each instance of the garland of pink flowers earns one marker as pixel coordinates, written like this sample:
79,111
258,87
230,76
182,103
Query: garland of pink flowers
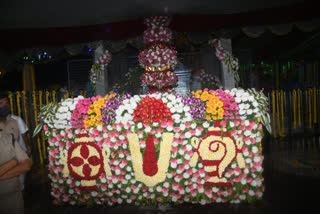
159,56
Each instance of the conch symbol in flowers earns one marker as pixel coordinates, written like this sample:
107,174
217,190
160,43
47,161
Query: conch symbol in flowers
216,151
85,161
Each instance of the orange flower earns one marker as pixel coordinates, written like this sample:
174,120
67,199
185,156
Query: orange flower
204,96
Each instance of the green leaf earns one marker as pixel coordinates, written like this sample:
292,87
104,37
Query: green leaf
37,129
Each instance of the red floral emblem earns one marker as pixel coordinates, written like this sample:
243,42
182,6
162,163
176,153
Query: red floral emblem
85,162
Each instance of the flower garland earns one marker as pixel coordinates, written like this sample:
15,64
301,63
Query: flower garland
160,79
157,35
97,68
159,56
223,55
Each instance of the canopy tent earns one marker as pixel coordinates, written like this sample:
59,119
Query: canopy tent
54,24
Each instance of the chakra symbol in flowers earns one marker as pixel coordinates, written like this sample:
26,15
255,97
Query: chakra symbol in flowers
85,163
217,151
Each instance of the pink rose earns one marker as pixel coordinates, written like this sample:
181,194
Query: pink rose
176,129
244,149
208,191
174,149
234,132
69,144
220,192
253,140
192,132
156,141
237,179
200,128
196,175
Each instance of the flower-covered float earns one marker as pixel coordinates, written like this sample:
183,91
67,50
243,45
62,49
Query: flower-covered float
160,147
204,147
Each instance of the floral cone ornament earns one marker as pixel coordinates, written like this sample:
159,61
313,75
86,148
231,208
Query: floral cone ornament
158,59
85,161
217,150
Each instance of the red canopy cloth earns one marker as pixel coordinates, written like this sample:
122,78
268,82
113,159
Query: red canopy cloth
13,39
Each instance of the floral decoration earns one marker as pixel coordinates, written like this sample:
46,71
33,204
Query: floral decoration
160,79
159,56
157,21
226,57
209,81
94,113
97,68
214,110
157,35
158,59
79,114
151,162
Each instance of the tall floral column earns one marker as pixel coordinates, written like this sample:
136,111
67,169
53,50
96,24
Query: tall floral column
158,59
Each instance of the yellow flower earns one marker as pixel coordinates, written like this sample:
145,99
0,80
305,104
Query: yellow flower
208,117
204,96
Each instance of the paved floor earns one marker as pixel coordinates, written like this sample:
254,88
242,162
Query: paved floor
290,187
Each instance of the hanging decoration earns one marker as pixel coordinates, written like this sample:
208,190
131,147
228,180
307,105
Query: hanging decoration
224,56
158,60
99,67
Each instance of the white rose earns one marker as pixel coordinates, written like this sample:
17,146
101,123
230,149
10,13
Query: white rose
238,99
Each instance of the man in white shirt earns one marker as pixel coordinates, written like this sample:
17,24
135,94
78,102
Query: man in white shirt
23,142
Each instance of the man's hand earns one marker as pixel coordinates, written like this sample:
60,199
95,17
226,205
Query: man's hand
19,169
4,168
